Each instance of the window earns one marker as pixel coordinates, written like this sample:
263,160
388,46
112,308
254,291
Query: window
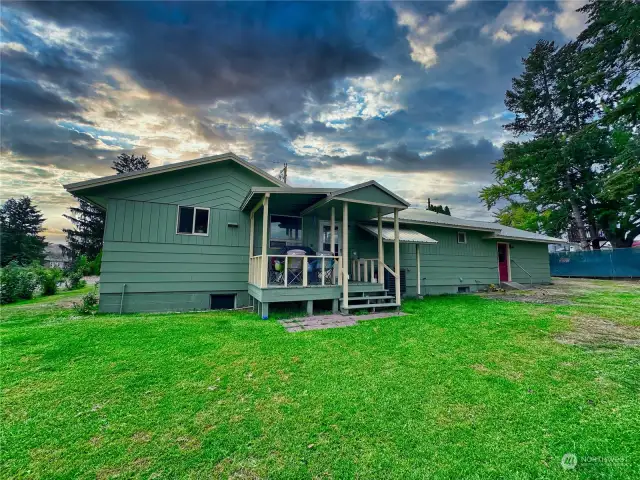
223,301
193,221
285,231
462,237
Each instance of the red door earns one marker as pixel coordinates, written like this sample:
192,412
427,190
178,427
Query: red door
503,262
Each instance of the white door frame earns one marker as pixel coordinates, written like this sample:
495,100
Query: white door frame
508,260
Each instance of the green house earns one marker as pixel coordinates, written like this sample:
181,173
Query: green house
217,232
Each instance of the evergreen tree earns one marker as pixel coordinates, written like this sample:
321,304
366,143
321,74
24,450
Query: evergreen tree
86,236
126,163
438,208
21,225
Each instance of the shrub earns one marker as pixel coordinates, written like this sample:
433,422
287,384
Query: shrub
82,265
74,280
94,265
48,278
87,305
18,283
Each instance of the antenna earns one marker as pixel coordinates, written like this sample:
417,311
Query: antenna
282,175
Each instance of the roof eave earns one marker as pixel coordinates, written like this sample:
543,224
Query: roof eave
443,225
526,239
111,179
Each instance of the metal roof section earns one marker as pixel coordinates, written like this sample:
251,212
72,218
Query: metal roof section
406,235
426,217
510,233
111,179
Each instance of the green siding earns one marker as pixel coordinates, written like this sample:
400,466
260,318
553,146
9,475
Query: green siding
165,271
534,258
448,265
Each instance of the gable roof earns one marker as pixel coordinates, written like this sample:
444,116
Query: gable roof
111,179
360,186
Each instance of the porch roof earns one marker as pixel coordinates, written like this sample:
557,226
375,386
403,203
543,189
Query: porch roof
406,235
365,199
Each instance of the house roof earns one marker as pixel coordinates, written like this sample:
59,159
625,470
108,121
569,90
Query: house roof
406,235
510,233
427,217
123,177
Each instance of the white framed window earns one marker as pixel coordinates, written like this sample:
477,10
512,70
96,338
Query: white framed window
324,241
285,231
462,237
193,221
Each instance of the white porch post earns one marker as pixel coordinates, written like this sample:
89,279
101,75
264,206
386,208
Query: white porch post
333,230
251,233
380,250
418,267
265,234
396,251
345,254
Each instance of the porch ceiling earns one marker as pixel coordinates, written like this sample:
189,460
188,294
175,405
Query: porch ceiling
286,202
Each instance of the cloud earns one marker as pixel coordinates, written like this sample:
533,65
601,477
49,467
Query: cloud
462,156
568,20
457,5
424,33
513,20
200,52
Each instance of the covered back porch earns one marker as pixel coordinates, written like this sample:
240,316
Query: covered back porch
322,244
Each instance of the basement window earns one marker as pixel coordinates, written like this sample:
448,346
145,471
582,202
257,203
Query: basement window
226,301
464,290
193,221
462,237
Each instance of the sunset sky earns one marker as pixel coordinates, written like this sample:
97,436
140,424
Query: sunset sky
408,94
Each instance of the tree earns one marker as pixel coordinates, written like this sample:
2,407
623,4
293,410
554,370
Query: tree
86,236
21,225
438,208
126,163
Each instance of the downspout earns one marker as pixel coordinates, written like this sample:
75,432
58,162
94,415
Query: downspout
122,297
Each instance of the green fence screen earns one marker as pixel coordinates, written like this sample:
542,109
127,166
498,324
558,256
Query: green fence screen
620,263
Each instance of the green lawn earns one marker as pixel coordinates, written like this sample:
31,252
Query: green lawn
464,387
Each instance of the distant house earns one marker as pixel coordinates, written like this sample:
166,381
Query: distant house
56,256
217,232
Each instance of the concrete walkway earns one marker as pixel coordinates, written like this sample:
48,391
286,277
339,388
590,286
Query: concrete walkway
322,322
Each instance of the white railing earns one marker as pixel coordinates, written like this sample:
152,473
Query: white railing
296,271
366,270
255,270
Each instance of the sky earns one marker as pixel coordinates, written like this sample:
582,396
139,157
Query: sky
408,94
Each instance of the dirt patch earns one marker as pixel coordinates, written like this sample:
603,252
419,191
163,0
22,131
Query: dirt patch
531,297
597,331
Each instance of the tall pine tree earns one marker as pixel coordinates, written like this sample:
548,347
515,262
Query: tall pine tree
21,225
86,236
88,220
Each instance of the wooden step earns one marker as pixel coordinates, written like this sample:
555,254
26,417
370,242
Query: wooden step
372,297
370,305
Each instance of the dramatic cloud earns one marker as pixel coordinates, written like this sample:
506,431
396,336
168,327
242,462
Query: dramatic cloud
568,20
409,94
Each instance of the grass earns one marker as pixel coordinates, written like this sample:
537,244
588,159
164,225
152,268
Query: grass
465,387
